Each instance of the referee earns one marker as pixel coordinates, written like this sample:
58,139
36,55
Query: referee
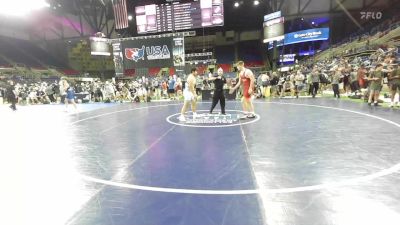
219,81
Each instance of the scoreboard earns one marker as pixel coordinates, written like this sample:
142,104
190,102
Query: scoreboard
179,16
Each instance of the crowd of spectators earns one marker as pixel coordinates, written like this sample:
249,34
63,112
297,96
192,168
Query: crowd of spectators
372,33
143,89
356,77
45,92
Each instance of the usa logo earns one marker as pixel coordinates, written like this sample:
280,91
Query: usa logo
135,54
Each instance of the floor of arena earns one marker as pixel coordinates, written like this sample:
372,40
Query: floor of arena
300,161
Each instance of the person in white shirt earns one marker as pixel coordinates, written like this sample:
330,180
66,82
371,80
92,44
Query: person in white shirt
292,84
142,94
265,81
157,88
63,86
109,91
299,79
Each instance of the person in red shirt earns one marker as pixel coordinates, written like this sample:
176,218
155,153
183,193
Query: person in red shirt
361,76
164,87
246,79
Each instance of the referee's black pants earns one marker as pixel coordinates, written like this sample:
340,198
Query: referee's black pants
218,96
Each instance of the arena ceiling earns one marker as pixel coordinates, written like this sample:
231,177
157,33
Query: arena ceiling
82,18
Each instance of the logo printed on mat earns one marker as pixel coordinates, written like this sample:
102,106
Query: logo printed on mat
204,119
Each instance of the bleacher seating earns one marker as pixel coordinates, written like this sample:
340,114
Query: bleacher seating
382,35
69,72
15,53
27,59
40,54
225,54
129,72
226,67
251,53
81,59
154,71
3,63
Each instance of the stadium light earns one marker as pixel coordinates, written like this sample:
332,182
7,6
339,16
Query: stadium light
130,17
21,7
256,2
236,4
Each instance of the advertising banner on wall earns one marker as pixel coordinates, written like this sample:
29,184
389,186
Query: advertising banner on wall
178,46
306,53
153,52
287,58
118,59
318,34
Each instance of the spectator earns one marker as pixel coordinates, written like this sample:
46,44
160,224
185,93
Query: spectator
309,83
281,86
11,95
299,83
259,85
142,94
292,84
50,92
346,78
171,88
274,82
354,80
63,85
156,88
315,82
70,98
178,87
336,74
165,89
265,82
394,83
98,95
109,91
375,85
361,77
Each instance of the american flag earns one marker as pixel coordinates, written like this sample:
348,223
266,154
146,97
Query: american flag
120,14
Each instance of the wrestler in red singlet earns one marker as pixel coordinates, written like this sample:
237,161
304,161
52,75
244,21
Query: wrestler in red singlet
246,84
246,79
